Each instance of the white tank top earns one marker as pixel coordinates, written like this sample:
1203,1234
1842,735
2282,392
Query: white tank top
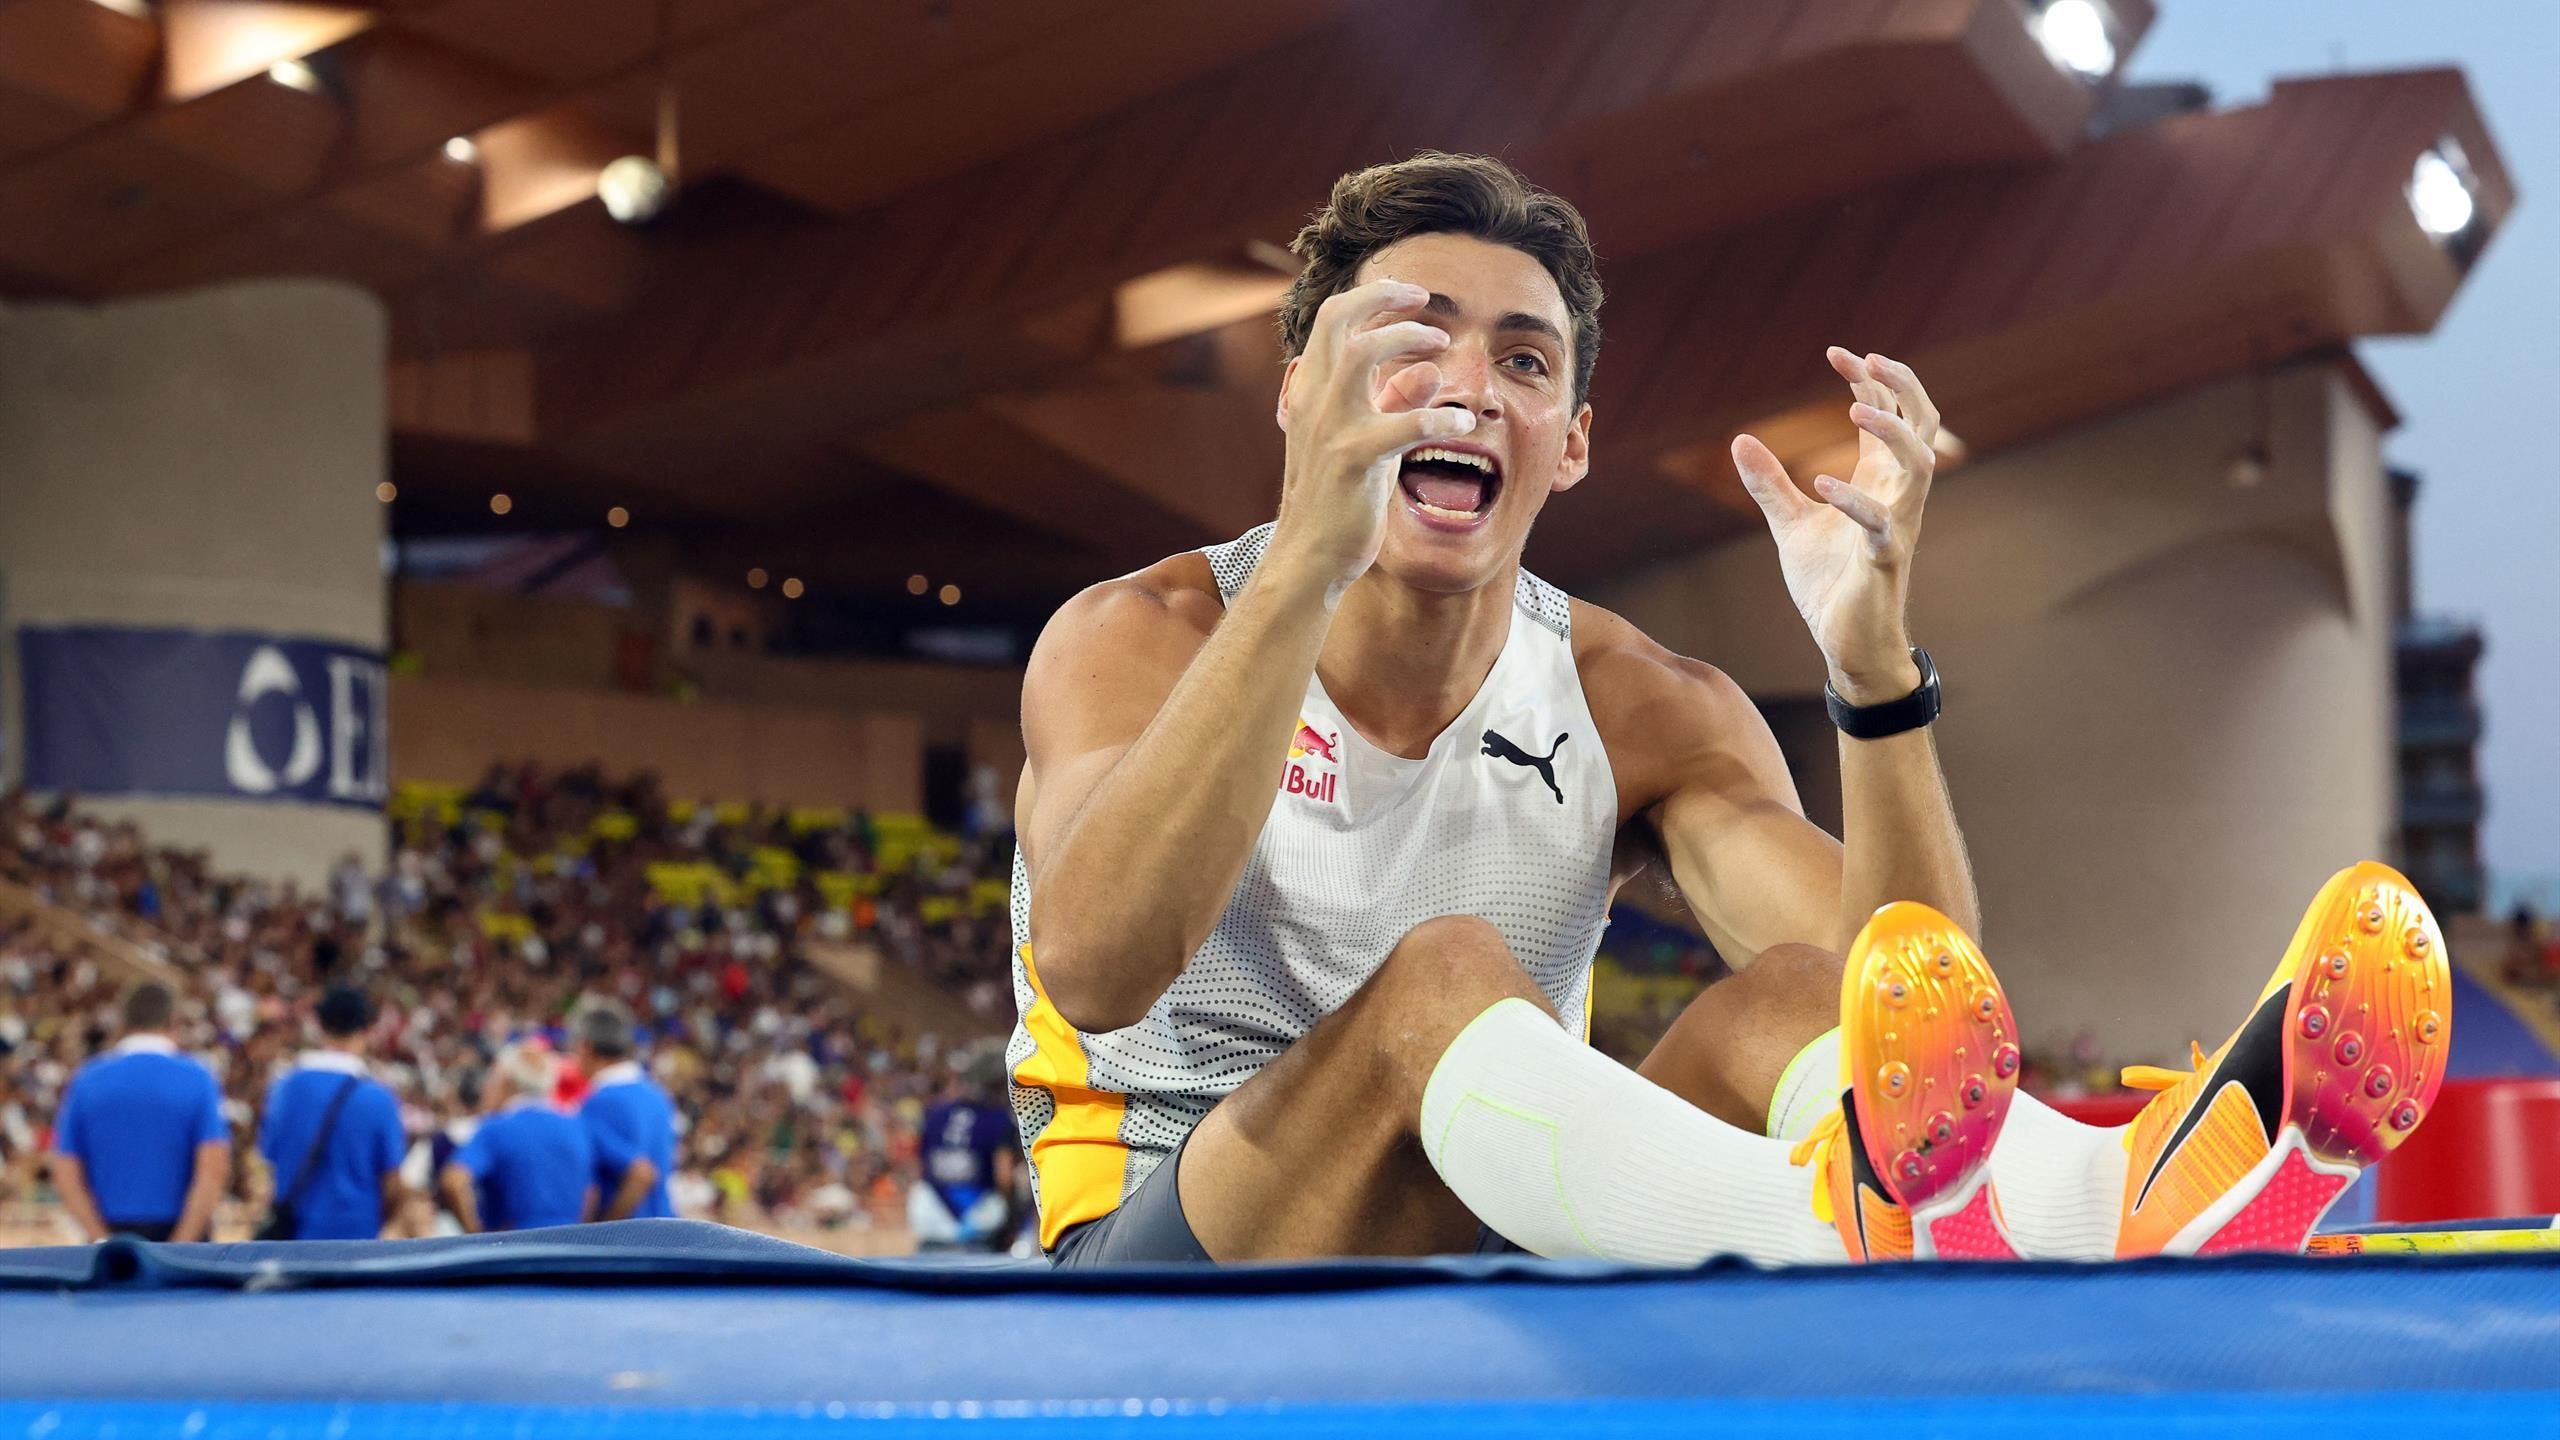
1511,817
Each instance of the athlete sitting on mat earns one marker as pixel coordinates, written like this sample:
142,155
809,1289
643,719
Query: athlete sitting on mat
1320,828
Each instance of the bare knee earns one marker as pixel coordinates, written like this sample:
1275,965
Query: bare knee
1456,964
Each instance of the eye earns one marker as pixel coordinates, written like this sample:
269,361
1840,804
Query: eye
1535,363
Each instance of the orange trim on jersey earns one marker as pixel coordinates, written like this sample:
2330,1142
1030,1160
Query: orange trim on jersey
1079,1154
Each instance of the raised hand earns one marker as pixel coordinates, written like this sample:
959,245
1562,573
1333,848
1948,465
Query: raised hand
1846,551
1351,411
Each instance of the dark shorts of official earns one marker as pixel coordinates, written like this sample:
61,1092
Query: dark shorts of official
154,1230
1149,1228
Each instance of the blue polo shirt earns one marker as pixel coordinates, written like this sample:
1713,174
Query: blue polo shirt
133,1118
533,1165
961,1141
343,1198
629,1118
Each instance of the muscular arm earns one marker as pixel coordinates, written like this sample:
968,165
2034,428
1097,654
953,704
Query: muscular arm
1698,765
1153,731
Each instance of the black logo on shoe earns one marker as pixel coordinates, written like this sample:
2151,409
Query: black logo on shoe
2255,1063
1545,765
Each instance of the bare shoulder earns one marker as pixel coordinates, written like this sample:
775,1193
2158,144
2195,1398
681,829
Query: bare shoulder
1631,675
1166,604
1662,715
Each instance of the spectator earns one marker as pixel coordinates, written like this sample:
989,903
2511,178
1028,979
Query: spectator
630,1121
965,1200
332,1134
528,1165
140,1145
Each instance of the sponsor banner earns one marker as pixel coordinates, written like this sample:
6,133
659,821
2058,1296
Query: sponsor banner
116,710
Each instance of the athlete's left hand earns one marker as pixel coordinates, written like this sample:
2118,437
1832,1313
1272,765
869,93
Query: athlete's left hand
1847,553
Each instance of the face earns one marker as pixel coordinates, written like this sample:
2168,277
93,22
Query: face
1462,511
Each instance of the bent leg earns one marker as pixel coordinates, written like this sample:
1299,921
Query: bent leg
1446,1094
1728,1051
1317,1154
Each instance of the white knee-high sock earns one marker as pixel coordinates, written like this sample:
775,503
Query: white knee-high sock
1808,1090
1565,1152
2061,1183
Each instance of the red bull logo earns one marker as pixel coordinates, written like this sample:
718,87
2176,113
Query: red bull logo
1299,778
1311,743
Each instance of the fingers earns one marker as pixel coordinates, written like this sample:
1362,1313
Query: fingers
1857,504
1909,398
1375,347
1916,457
1779,499
1413,387
1354,309
1395,433
1865,386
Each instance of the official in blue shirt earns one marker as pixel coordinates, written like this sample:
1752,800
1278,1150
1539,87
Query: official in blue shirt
965,1199
631,1122
140,1146
353,1182
528,1165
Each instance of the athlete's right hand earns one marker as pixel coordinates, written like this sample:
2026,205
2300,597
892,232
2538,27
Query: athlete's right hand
1351,407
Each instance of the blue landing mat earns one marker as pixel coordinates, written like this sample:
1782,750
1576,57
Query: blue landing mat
666,1328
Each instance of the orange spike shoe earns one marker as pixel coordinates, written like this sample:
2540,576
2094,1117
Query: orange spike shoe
2338,1062
1929,1064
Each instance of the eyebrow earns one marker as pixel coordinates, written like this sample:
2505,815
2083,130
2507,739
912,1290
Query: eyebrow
1442,305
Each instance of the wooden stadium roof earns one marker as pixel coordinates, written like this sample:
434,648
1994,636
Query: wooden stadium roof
982,288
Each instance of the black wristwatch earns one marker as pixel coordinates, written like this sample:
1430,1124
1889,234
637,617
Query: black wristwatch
1888,717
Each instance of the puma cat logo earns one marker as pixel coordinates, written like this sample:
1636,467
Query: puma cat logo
1545,765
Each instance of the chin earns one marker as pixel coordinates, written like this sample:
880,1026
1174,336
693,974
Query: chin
1442,563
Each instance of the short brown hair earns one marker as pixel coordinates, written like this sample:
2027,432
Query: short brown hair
1435,193
149,1006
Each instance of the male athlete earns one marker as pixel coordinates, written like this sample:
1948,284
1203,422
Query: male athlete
1320,827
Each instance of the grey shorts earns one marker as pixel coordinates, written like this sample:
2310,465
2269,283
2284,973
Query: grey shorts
1147,1229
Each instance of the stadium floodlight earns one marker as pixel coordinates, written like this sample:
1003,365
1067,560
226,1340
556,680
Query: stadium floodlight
2440,190
2074,34
295,75
634,189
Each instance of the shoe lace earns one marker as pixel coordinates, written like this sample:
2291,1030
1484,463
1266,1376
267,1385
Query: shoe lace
2160,1077
1815,1150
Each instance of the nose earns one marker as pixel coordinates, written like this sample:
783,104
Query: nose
1466,380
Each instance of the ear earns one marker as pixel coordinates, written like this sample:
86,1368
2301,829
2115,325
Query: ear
1577,451
1288,373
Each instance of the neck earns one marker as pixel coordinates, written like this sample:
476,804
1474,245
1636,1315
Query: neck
1401,663
344,1044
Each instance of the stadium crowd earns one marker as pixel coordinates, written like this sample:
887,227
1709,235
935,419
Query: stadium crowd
506,907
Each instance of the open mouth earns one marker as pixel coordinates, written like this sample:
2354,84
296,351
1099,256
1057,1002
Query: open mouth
1450,487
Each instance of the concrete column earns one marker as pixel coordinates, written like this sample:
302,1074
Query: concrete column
188,524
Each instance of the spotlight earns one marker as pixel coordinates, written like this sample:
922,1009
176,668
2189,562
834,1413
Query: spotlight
2074,35
460,150
792,589
617,517
950,594
500,504
633,189
917,584
295,75
756,578
2440,190
386,492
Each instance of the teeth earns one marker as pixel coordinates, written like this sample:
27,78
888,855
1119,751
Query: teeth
1427,508
1454,457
